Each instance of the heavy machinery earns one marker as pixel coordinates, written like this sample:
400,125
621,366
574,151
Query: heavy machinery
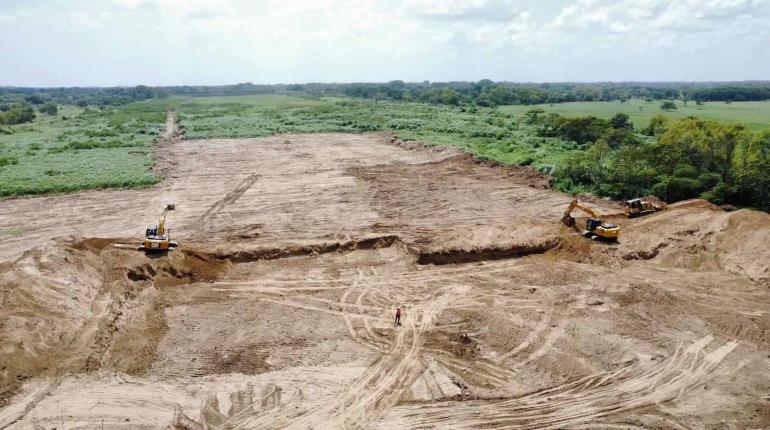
595,227
639,207
157,238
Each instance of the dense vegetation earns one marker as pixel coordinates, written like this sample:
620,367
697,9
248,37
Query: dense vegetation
754,115
80,149
676,160
669,154
16,113
81,97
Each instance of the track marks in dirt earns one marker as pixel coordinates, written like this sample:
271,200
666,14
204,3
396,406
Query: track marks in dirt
231,197
585,400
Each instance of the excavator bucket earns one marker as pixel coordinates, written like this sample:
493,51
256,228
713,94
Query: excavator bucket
568,220
170,207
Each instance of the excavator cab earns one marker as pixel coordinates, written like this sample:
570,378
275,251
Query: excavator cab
634,204
157,238
596,229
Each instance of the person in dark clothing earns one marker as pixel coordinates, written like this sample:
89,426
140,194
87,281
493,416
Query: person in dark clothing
398,316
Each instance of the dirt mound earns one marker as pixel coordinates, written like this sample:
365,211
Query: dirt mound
84,305
524,175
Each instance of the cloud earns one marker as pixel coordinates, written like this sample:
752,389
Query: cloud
683,25
218,41
461,10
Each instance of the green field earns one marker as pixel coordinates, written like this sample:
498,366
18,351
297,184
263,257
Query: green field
81,149
92,148
754,115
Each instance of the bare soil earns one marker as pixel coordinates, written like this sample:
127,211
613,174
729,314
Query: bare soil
277,309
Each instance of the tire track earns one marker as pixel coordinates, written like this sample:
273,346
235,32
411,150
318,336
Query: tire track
579,402
231,197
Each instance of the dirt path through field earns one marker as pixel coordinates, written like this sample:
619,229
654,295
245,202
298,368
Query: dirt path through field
295,250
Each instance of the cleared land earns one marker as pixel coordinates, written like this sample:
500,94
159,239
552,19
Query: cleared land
276,312
754,115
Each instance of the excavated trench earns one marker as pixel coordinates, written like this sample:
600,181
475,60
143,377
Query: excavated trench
458,256
418,255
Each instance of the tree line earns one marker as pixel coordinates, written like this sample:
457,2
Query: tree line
671,159
482,93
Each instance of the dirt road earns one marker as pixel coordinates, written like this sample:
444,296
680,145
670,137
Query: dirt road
276,311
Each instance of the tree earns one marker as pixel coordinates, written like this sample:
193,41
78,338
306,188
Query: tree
758,149
657,126
18,114
668,106
621,120
753,184
49,108
533,115
34,99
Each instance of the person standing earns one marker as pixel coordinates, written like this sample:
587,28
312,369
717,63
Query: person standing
398,316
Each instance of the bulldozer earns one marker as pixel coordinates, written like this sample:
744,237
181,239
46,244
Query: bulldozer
157,238
595,229
639,207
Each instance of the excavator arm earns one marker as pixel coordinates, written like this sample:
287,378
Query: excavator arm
162,221
577,204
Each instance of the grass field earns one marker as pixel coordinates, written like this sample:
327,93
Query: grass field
755,115
84,149
81,149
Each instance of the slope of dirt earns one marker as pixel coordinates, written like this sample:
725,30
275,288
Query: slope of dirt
276,311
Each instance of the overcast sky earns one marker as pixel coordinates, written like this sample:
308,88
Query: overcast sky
167,42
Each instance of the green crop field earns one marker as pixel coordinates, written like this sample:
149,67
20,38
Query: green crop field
81,149
91,148
754,115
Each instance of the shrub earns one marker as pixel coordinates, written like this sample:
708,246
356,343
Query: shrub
668,106
672,189
6,160
685,171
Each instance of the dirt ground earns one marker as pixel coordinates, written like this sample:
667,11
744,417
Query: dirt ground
277,309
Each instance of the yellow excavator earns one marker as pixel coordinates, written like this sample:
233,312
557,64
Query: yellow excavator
639,207
595,227
157,238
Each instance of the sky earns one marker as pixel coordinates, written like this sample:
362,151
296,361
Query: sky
209,42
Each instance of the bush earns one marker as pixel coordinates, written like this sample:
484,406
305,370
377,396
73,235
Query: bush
709,179
6,160
17,114
621,120
720,194
685,171
668,106
753,184
49,108
673,189
526,161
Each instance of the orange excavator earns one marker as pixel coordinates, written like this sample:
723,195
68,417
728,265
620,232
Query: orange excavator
157,238
596,229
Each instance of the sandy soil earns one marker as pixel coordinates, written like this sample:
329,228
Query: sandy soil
276,311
